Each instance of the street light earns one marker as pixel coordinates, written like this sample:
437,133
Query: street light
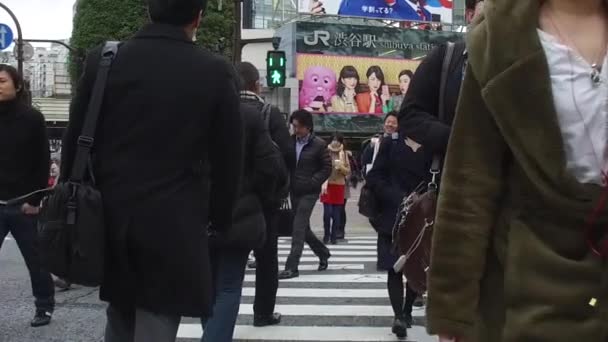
19,38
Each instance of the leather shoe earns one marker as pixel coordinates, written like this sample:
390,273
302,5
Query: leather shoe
42,318
266,320
400,327
288,274
323,264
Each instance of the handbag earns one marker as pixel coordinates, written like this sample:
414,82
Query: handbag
413,229
284,220
368,203
71,228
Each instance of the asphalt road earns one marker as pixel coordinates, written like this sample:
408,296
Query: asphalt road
317,306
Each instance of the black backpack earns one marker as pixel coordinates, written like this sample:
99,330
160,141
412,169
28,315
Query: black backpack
71,227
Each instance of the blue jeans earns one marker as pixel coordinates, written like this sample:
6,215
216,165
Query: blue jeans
24,230
332,220
229,271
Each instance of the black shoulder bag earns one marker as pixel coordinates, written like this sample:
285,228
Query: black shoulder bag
71,228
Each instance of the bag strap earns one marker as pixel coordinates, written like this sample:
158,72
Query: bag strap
445,70
266,114
86,139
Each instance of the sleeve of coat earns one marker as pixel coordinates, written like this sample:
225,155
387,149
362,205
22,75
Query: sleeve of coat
378,177
226,155
418,118
471,191
280,134
324,171
78,111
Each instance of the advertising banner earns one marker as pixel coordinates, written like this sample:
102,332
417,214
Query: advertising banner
405,10
351,76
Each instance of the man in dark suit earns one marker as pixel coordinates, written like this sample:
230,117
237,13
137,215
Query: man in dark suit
168,140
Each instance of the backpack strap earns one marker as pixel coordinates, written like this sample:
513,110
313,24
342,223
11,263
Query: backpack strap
86,139
266,109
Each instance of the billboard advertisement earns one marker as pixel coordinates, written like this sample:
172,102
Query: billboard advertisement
405,10
351,76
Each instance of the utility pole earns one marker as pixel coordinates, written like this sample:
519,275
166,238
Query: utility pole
19,38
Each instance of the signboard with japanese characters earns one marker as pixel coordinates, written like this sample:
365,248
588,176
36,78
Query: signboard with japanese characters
368,41
351,76
402,10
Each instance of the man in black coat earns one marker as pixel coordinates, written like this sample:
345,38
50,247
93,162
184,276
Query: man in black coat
313,168
419,115
169,140
267,267
262,173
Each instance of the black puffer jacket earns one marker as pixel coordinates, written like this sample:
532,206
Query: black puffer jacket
312,169
261,175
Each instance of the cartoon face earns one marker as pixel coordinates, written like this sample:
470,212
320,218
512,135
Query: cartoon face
318,82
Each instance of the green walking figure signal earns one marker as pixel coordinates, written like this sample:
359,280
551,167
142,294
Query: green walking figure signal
276,69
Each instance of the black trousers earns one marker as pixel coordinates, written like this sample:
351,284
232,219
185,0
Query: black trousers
23,228
267,268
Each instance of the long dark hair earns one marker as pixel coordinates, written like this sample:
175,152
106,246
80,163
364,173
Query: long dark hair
407,73
348,71
374,69
17,81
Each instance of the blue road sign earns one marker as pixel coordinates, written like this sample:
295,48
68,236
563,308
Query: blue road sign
6,36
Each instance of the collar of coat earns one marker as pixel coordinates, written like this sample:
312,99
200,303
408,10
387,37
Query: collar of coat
509,64
166,31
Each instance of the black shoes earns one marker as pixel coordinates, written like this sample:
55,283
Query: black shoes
289,274
400,327
266,320
325,240
252,264
324,263
42,318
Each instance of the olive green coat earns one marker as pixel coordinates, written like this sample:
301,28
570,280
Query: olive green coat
510,262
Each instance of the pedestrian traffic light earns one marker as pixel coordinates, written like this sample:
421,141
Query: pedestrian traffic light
275,68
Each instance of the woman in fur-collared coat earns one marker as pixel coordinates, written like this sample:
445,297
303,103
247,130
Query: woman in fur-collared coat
512,260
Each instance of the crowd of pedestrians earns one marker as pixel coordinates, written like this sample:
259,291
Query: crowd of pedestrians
519,239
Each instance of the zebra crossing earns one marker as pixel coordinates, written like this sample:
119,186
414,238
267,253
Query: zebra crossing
348,302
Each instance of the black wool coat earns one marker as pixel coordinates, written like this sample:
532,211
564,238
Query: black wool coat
167,159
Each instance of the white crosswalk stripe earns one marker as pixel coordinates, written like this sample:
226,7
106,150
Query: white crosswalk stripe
348,302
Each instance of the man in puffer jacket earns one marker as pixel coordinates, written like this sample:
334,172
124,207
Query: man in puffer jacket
262,176
312,170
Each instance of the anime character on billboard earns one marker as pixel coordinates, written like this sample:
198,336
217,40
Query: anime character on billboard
318,87
344,100
415,10
375,100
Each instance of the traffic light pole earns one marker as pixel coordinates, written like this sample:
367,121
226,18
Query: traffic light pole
19,38
237,48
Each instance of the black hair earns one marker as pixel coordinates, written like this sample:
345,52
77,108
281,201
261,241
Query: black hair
470,4
348,71
374,69
304,118
249,75
393,114
339,137
17,81
175,12
407,73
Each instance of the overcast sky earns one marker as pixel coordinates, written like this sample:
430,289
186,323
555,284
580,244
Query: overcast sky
40,19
